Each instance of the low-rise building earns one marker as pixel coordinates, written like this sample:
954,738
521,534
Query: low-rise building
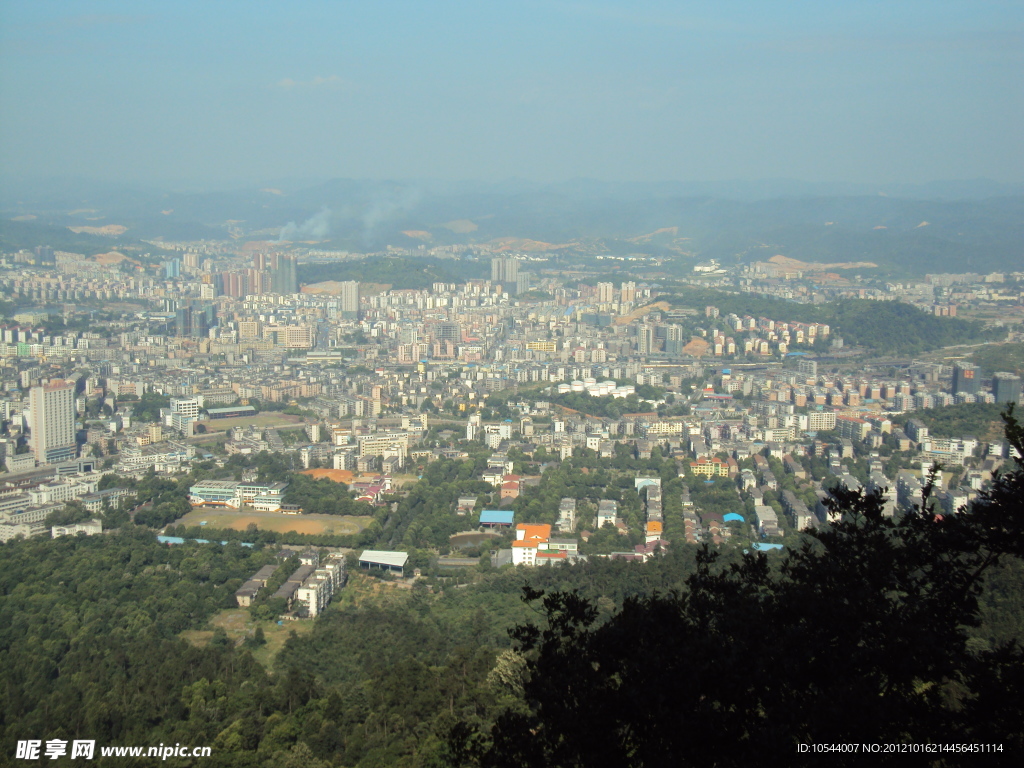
88,528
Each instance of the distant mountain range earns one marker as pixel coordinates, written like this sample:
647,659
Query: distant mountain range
963,226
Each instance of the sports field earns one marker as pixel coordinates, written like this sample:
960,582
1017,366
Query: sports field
263,420
239,520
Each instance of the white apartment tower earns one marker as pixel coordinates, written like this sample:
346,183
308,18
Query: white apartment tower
645,339
504,272
52,413
350,300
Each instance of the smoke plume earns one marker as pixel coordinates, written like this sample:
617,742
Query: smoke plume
314,228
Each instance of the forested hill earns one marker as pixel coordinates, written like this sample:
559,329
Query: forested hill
912,232
90,643
887,327
1001,357
89,640
892,327
981,420
88,637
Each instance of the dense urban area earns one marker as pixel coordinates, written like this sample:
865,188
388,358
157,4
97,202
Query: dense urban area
318,481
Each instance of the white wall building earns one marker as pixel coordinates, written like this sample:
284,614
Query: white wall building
52,417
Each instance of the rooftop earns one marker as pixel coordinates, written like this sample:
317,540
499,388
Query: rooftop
384,557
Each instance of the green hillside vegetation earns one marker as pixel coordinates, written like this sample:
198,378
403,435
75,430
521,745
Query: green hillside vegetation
860,322
16,235
323,496
1000,357
981,420
90,636
88,628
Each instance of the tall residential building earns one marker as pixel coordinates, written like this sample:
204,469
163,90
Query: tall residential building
1006,387
523,282
504,272
645,339
172,268
808,368
195,320
605,293
277,271
350,300
674,341
966,378
234,284
284,278
52,414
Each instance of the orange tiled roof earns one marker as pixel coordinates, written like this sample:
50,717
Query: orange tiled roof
534,531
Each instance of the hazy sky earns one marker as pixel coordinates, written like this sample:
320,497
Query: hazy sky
850,90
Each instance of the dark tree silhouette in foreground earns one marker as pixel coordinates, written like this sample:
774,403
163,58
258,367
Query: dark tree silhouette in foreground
862,635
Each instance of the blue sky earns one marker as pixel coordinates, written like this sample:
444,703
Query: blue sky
233,92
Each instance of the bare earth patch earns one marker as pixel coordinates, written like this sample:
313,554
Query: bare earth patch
239,625
109,230
239,520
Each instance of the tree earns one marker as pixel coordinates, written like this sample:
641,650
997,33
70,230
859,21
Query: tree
862,634
258,638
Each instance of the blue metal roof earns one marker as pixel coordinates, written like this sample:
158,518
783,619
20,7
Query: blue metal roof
494,516
732,516
179,540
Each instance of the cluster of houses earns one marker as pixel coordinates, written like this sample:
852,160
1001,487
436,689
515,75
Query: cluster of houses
534,545
28,497
310,587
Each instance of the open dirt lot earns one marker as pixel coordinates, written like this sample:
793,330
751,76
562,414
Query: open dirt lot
239,520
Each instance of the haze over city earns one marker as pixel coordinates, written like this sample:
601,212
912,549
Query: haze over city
232,93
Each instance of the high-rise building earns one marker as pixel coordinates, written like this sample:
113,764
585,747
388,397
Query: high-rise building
808,368
277,274
645,339
966,378
1006,387
52,415
183,322
605,293
504,272
172,268
195,321
255,282
283,276
350,300
234,284
674,342
523,282
627,292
